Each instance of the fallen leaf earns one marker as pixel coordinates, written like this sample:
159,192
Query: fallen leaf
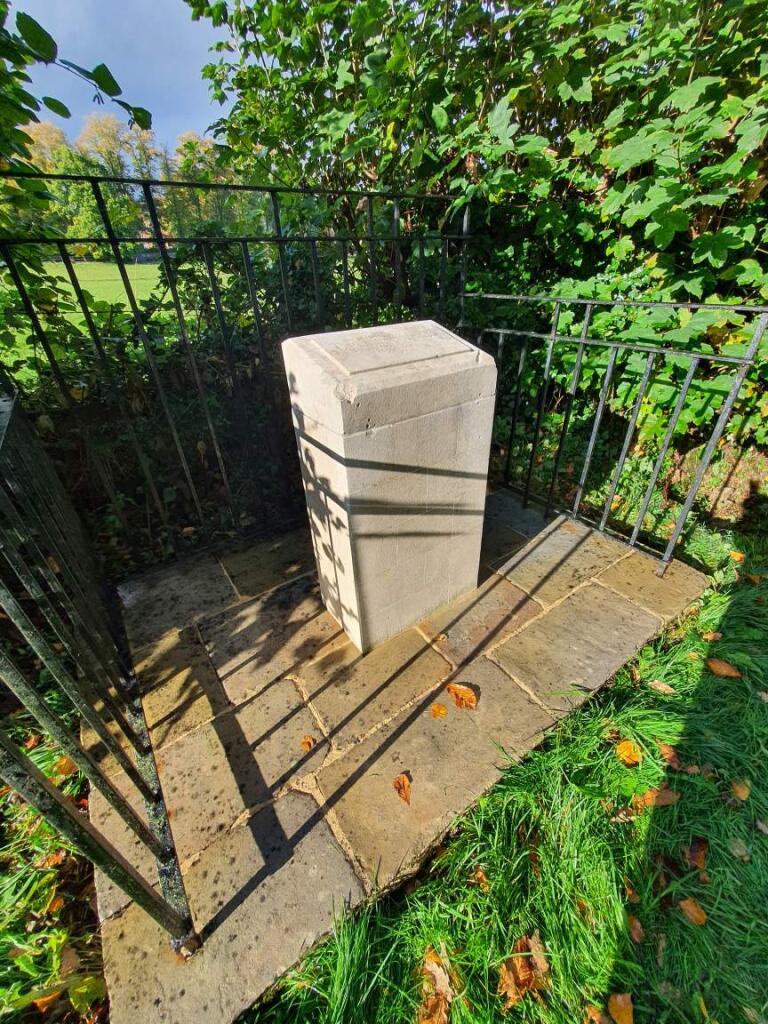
741,789
669,754
402,786
188,531
763,695
711,636
53,859
55,905
620,1007
693,911
695,855
632,894
439,710
596,1016
693,656
32,741
65,767
636,932
738,556
524,971
660,687
661,948
436,991
70,961
628,753
43,1003
307,742
661,797
723,669
739,850
762,826
753,577
478,878
463,696
538,953
693,769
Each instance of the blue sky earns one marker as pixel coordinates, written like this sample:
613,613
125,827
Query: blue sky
152,47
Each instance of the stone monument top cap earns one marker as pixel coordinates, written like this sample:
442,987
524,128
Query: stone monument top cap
344,380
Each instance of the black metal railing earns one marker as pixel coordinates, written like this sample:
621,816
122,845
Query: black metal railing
59,635
528,398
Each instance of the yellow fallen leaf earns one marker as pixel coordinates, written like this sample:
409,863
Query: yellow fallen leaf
711,636
628,753
693,911
402,786
738,556
723,669
741,789
463,696
438,710
65,767
594,1015
307,742
660,687
620,1007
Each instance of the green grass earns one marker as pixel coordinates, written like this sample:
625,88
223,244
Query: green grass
102,280
559,847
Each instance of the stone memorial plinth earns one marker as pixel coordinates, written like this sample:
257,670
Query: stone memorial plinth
393,426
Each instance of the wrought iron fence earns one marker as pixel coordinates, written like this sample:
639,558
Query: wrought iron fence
635,354
59,635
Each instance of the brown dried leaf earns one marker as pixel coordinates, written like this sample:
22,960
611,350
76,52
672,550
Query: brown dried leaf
711,636
632,894
464,697
696,854
439,710
65,767
526,970
660,687
663,797
402,786
436,991
32,741
620,1007
478,878
595,1016
693,911
723,669
307,742
636,932
669,754
55,905
53,859
628,753
538,954
741,789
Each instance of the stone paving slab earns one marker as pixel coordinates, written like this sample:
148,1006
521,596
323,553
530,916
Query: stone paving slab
174,597
353,693
180,687
236,762
450,761
255,643
504,506
260,567
465,628
564,555
262,895
668,596
571,651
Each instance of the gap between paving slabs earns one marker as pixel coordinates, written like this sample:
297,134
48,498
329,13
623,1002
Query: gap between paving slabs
570,593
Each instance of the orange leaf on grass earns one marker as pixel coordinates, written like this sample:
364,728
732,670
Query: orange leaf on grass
669,754
55,905
439,710
636,932
738,556
595,1016
696,854
32,741
464,697
663,797
710,635
525,971
620,1007
64,767
723,669
402,786
741,789
660,687
44,1003
436,991
629,753
478,878
693,910
632,894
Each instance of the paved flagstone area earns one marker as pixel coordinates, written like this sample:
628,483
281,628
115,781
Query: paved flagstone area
278,742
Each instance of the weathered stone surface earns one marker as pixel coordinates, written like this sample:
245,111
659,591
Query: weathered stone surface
256,643
450,762
174,597
179,685
507,508
353,693
500,541
569,652
235,762
393,425
558,559
463,629
261,895
267,564
667,596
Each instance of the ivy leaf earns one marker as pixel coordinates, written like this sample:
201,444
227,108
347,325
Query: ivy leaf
56,106
36,38
102,76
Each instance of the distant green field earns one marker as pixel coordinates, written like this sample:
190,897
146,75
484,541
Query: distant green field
103,281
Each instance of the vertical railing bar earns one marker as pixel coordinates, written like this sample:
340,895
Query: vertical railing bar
693,366
650,359
69,686
254,300
595,429
319,309
516,408
345,282
463,263
442,282
422,272
717,433
575,377
373,284
42,337
112,384
22,775
69,745
397,258
278,231
170,276
146,344
543,391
